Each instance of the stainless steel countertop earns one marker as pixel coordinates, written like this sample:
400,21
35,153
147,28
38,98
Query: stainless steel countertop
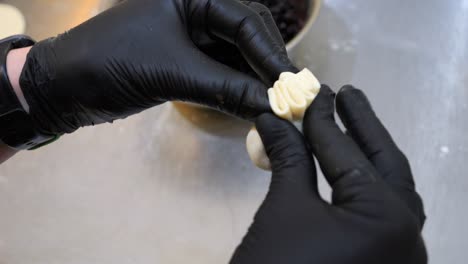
158,188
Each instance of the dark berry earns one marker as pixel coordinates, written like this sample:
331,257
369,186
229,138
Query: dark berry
288,14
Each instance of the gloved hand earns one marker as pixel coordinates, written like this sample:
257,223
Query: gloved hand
376,216
142,53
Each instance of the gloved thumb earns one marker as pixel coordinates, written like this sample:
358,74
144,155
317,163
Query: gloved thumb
293,167
225,89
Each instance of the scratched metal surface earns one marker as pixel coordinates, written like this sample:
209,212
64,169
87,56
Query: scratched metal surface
176,186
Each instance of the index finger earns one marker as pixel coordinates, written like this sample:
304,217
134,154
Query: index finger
373,138
245,28
341,160
377,144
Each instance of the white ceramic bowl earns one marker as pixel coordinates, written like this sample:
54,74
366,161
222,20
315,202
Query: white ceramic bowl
312,14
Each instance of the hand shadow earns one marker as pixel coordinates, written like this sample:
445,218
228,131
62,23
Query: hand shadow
212,121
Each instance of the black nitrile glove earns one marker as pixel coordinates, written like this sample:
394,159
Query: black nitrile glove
376,216
142,53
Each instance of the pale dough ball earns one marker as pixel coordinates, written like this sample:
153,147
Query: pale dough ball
292,94
256,150
12,22
289,98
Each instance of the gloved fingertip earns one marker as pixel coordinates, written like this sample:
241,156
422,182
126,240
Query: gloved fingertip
323,107
346,88
351,103
349,90
350,94
283,143
326,90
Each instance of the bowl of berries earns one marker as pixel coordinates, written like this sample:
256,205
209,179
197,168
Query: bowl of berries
294,18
